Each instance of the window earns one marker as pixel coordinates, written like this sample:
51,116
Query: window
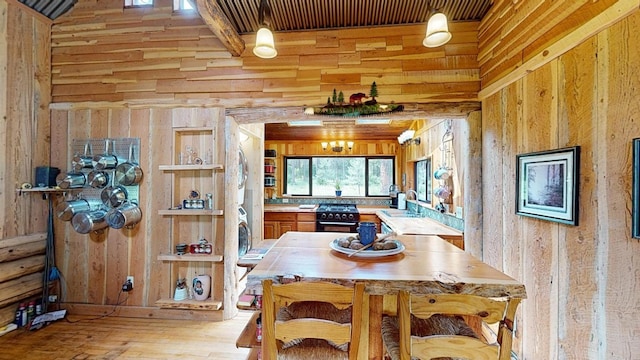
423,180
357,175
137,3
189,5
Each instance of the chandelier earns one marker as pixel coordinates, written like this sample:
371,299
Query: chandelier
337,146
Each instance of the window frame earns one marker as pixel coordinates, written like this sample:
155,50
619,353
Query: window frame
428,193
310,159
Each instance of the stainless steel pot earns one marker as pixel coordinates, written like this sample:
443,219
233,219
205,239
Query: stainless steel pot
71,180
67,209
106,160
84,161
128,173
113,196
87,221
127,215
98,179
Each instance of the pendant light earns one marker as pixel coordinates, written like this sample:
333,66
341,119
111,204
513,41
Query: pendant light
437,30
265,47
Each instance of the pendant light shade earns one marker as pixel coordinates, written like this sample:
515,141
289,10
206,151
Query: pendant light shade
265,47
437,31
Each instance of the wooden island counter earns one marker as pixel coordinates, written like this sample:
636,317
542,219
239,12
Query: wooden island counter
427,265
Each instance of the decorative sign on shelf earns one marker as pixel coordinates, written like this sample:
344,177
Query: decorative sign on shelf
336,105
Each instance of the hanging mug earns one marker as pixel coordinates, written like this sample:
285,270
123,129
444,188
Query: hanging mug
441,174
442,192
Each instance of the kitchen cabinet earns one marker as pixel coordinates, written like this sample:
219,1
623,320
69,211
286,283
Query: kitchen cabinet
306,221
372,218
278,223
194,217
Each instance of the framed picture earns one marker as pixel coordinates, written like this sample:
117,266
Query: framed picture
635,192
547,185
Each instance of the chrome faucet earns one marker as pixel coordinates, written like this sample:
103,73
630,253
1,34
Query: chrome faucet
409,191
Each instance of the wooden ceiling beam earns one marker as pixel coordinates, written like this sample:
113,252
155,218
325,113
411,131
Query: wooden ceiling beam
220,25
444,110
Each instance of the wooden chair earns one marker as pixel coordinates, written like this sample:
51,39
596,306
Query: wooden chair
445,334
303,337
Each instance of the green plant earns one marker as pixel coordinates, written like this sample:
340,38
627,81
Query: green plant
337,186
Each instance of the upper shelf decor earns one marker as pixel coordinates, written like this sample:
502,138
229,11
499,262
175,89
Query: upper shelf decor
337,106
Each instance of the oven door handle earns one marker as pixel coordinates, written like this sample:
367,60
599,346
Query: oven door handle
336,223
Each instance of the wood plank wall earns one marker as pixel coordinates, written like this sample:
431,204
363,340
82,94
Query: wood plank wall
24,144
104,53
582,282
95,265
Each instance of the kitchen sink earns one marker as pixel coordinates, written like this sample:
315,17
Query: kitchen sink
401,213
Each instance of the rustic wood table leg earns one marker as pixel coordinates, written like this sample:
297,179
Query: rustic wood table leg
376,351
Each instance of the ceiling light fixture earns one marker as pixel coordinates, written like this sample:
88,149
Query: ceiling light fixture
406,136
265,47
337,146
437,30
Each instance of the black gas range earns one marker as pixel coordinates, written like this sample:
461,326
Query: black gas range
337,218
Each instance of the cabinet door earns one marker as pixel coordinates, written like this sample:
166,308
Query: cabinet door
271,229
307,226
287,226
307,222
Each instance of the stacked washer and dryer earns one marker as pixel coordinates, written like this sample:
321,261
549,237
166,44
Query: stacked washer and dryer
244,233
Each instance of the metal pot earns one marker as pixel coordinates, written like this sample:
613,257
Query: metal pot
84,161
71,180
127,215
87,221
128,173
113,196
67,209
106,160
98,179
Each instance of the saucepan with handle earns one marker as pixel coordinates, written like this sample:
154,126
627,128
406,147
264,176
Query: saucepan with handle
128,173
83,161
105,161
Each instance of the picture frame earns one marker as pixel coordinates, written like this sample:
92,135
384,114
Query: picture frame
635,191
547,185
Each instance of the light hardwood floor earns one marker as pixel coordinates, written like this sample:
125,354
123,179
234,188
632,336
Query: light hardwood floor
127,338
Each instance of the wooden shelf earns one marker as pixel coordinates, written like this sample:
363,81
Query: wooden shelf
208,304
47,190
190,257
187,212
247,338
191,167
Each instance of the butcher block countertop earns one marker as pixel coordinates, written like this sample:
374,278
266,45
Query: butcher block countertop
415,226
288,208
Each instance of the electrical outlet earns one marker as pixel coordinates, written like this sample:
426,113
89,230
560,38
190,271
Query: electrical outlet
130,279
285,201
459,212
